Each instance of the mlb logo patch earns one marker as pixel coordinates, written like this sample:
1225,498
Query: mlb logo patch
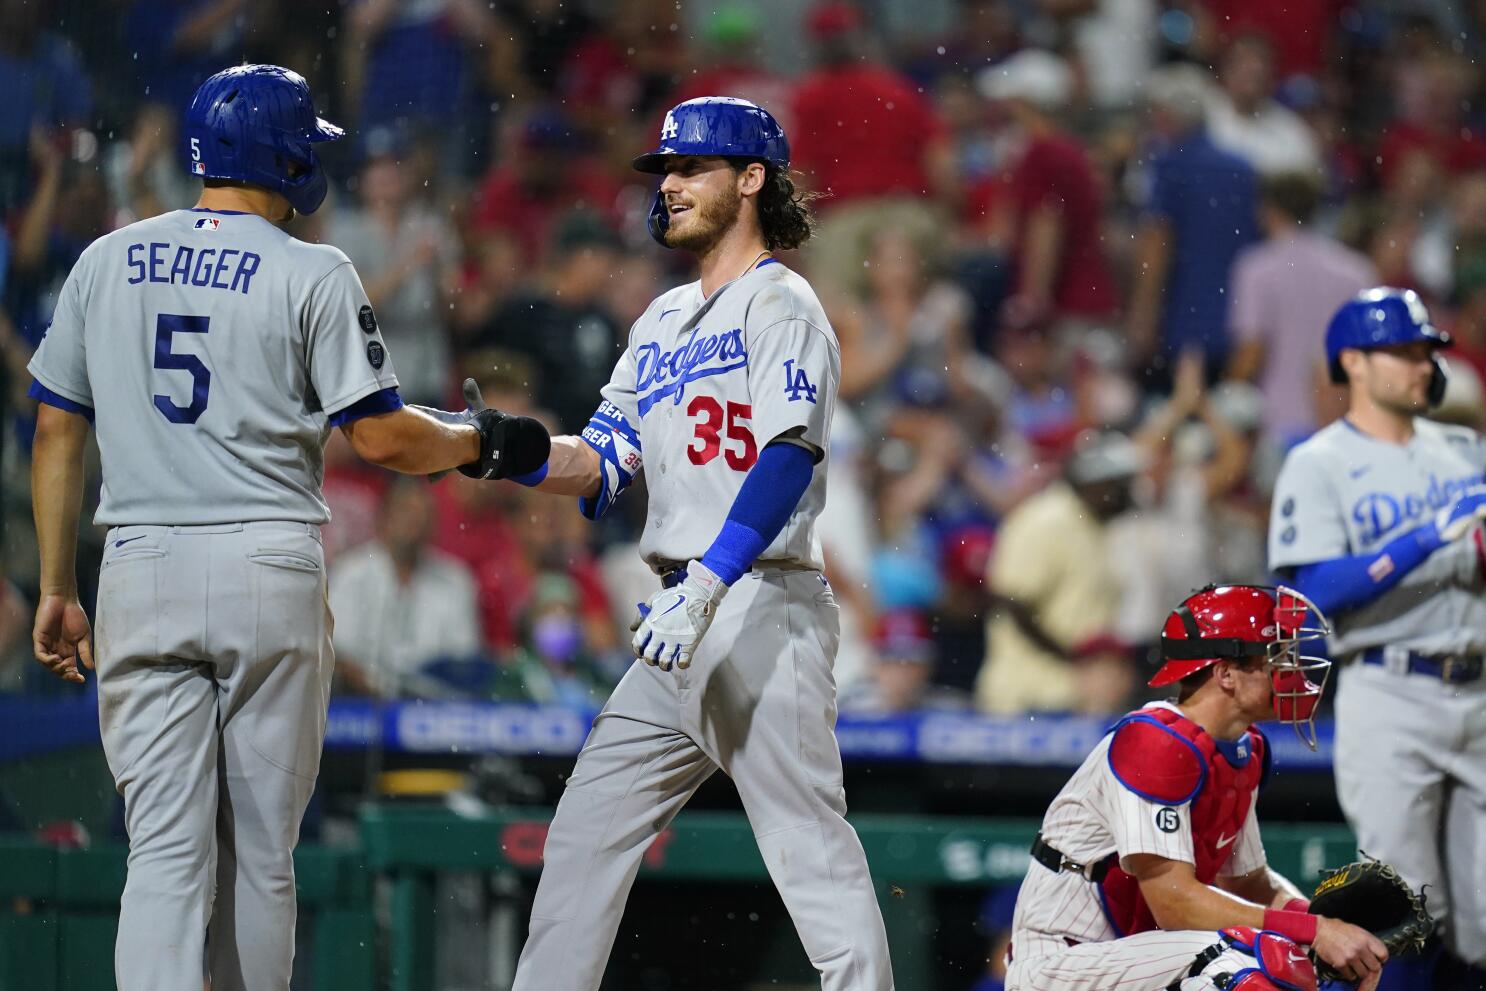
208,224
198,168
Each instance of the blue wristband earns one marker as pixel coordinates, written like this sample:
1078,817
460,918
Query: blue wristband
532,478
762,507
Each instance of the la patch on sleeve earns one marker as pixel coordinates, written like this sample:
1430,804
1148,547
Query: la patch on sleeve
797,385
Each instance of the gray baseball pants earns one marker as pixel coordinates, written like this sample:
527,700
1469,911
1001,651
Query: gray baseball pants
759,702
1411,777
214,666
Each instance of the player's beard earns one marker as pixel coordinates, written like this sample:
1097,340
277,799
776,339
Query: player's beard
1401,402
708,222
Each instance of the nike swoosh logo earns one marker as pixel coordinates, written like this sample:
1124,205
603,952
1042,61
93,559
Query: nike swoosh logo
1225,840
673,607
1359,472
1297,957
665,313
130,540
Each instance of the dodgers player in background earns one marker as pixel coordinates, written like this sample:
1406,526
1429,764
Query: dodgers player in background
1377,519
214,352
724,396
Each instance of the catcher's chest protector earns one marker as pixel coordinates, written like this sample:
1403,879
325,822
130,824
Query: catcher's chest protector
1166,758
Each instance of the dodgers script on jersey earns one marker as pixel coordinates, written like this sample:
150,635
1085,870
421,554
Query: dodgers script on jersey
211,348
1343,493
708,383
1092,817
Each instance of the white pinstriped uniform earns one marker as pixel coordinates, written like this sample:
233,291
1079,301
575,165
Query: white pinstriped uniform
1061,938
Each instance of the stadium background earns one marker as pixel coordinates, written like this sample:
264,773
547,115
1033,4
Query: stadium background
1040,217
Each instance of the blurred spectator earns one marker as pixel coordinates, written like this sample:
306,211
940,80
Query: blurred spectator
909,343
1050,643
985,32
1244,118
1115,42
1432,99
1049,213
46,92
493,269
176,44
415,65
729,65
1200,451
553,665
902,679
550,171
398,603
545,32
562,321
869,142
406,256
1298,33
145,178
1200,214
1040,408
623,71
1408,238
51,233
1284,293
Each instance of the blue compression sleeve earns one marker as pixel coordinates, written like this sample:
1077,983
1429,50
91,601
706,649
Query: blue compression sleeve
1350,582
769,494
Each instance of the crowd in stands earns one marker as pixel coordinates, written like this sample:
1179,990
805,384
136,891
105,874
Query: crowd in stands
1079,255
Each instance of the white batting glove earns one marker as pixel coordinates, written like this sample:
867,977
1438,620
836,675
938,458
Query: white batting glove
672,623
1456,520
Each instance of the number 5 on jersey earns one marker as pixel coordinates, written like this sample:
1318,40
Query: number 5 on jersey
712,425
167,325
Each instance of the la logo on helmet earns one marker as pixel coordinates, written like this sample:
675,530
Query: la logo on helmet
670,129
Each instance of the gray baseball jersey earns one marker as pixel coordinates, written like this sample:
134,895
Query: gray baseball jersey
213,352
708,382
702,387
211,348
1343,493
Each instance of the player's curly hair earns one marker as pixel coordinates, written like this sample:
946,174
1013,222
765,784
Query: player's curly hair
784,213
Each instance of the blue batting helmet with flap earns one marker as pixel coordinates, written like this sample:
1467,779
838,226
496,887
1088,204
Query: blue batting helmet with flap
713,126
257,124
1380,318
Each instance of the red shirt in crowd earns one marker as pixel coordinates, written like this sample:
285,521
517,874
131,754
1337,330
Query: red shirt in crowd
862,131
1055,170
1297,31
503,202
481,535
1454,152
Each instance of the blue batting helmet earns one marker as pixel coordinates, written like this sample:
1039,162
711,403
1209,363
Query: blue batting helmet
713,126
257,124
1380,318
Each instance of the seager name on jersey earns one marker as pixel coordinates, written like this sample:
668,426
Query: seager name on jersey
182,265
659,374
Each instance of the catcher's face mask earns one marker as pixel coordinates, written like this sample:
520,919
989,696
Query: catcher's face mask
1297,679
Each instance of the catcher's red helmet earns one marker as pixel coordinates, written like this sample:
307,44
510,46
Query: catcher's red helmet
1234,622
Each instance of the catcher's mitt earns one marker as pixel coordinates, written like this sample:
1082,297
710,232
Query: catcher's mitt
1370,894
